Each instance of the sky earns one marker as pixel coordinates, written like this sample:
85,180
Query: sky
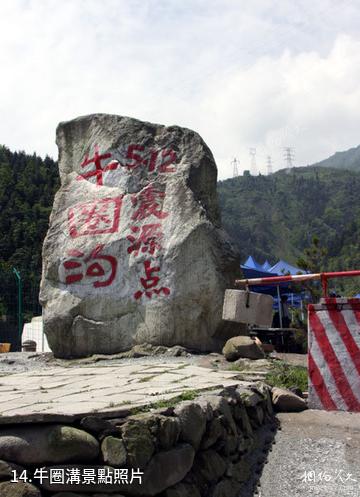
244,74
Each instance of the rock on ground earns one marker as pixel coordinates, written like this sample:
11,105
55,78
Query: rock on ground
286,401
242,346
135,251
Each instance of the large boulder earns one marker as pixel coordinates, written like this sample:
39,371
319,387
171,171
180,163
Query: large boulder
135,251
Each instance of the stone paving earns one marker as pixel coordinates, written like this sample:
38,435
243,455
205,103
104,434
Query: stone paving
65,394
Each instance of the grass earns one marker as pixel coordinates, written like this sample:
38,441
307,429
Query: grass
161,404
236,367
285,376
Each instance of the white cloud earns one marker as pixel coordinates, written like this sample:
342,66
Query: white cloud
305,101
241,73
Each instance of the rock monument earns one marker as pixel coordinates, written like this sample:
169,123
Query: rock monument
135,251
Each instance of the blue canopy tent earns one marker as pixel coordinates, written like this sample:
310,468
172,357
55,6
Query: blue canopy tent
253,269
283,267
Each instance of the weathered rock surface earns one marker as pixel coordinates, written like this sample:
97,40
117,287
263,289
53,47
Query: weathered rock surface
43,444
95,425
19,489
220,406
210,465
240,471
182,490
213,432
139,443
192,422
168,432
114,452
6,469
286,401
167,468
226,488
134,252
242,346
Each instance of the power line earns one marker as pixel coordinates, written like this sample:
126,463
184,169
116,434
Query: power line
269,165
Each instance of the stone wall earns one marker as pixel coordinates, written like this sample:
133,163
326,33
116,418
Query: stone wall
210,446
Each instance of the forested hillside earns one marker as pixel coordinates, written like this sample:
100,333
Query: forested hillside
276,216
27,187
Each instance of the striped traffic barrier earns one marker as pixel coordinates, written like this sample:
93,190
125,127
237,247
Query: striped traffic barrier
334,354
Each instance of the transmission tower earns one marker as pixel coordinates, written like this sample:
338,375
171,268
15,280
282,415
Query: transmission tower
235,164
253,168
269,165
289,157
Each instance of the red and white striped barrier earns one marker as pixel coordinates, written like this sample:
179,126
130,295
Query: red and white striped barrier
334,354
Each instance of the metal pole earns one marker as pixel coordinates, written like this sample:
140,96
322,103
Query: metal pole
300,277
302,309
20,302
280,310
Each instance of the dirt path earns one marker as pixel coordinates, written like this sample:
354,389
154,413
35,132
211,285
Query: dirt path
316,453
292,359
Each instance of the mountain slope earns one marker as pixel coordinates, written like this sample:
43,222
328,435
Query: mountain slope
276,216
349,159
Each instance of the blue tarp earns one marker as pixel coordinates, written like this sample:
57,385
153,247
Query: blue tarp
252,269
283,267
252,264
266,266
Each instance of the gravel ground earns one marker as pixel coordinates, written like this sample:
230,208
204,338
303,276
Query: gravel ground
293,359
316,453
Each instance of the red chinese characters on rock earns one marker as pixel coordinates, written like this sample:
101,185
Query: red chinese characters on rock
99,170
100,268
161,160
148,239
95,218
148,202
151,282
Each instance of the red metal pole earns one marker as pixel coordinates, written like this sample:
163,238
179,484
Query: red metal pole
299,277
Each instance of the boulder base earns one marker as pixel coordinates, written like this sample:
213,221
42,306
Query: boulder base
135,251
